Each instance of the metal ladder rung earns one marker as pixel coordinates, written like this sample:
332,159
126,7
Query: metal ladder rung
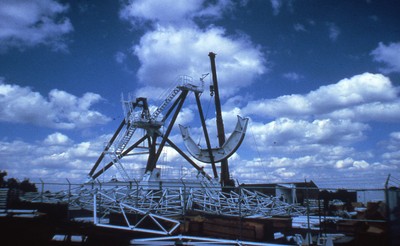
125,140
119,166
165,103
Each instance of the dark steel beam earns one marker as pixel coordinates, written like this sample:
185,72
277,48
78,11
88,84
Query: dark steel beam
181,100
110,164
187,158
225,176
206,136
107,148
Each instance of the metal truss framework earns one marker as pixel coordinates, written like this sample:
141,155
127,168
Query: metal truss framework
190,240
160,206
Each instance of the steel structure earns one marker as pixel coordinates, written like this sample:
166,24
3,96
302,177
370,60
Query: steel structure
172,201
191,240
160,202
137,115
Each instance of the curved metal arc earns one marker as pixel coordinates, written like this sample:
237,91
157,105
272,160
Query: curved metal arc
221,153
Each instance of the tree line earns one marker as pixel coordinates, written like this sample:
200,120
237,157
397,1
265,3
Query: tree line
12,183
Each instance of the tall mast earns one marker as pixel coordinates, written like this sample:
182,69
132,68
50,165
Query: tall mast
225,177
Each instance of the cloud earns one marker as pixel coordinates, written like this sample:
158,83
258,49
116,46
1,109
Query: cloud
277,5
179,38
292,76
173,12
360,96
359,89
392,151
59,110
284,173
344,163
299,27
319,130
185,116
389,55
57,138
168,52
27,23
319,168
350,163
120,57
301,136
334,31
375,111
360,164
56,158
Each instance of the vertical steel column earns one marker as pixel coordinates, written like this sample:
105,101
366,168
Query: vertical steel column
225,176
152,152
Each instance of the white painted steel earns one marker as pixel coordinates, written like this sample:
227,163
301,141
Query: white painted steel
218,154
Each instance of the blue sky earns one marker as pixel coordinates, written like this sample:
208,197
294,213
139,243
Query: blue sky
319,81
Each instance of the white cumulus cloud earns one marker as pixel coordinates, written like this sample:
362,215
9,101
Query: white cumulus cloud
359,96
59,110
55,158
173,12
389,55
289,133
180,34
57,138
27,23
169,52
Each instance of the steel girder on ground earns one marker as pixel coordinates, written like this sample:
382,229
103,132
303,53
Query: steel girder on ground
169,201
159,204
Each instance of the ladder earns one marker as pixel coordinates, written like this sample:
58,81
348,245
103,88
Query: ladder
169,98
125,139
118,164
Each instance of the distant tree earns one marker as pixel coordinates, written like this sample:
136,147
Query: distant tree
27,186
12,183
2,181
